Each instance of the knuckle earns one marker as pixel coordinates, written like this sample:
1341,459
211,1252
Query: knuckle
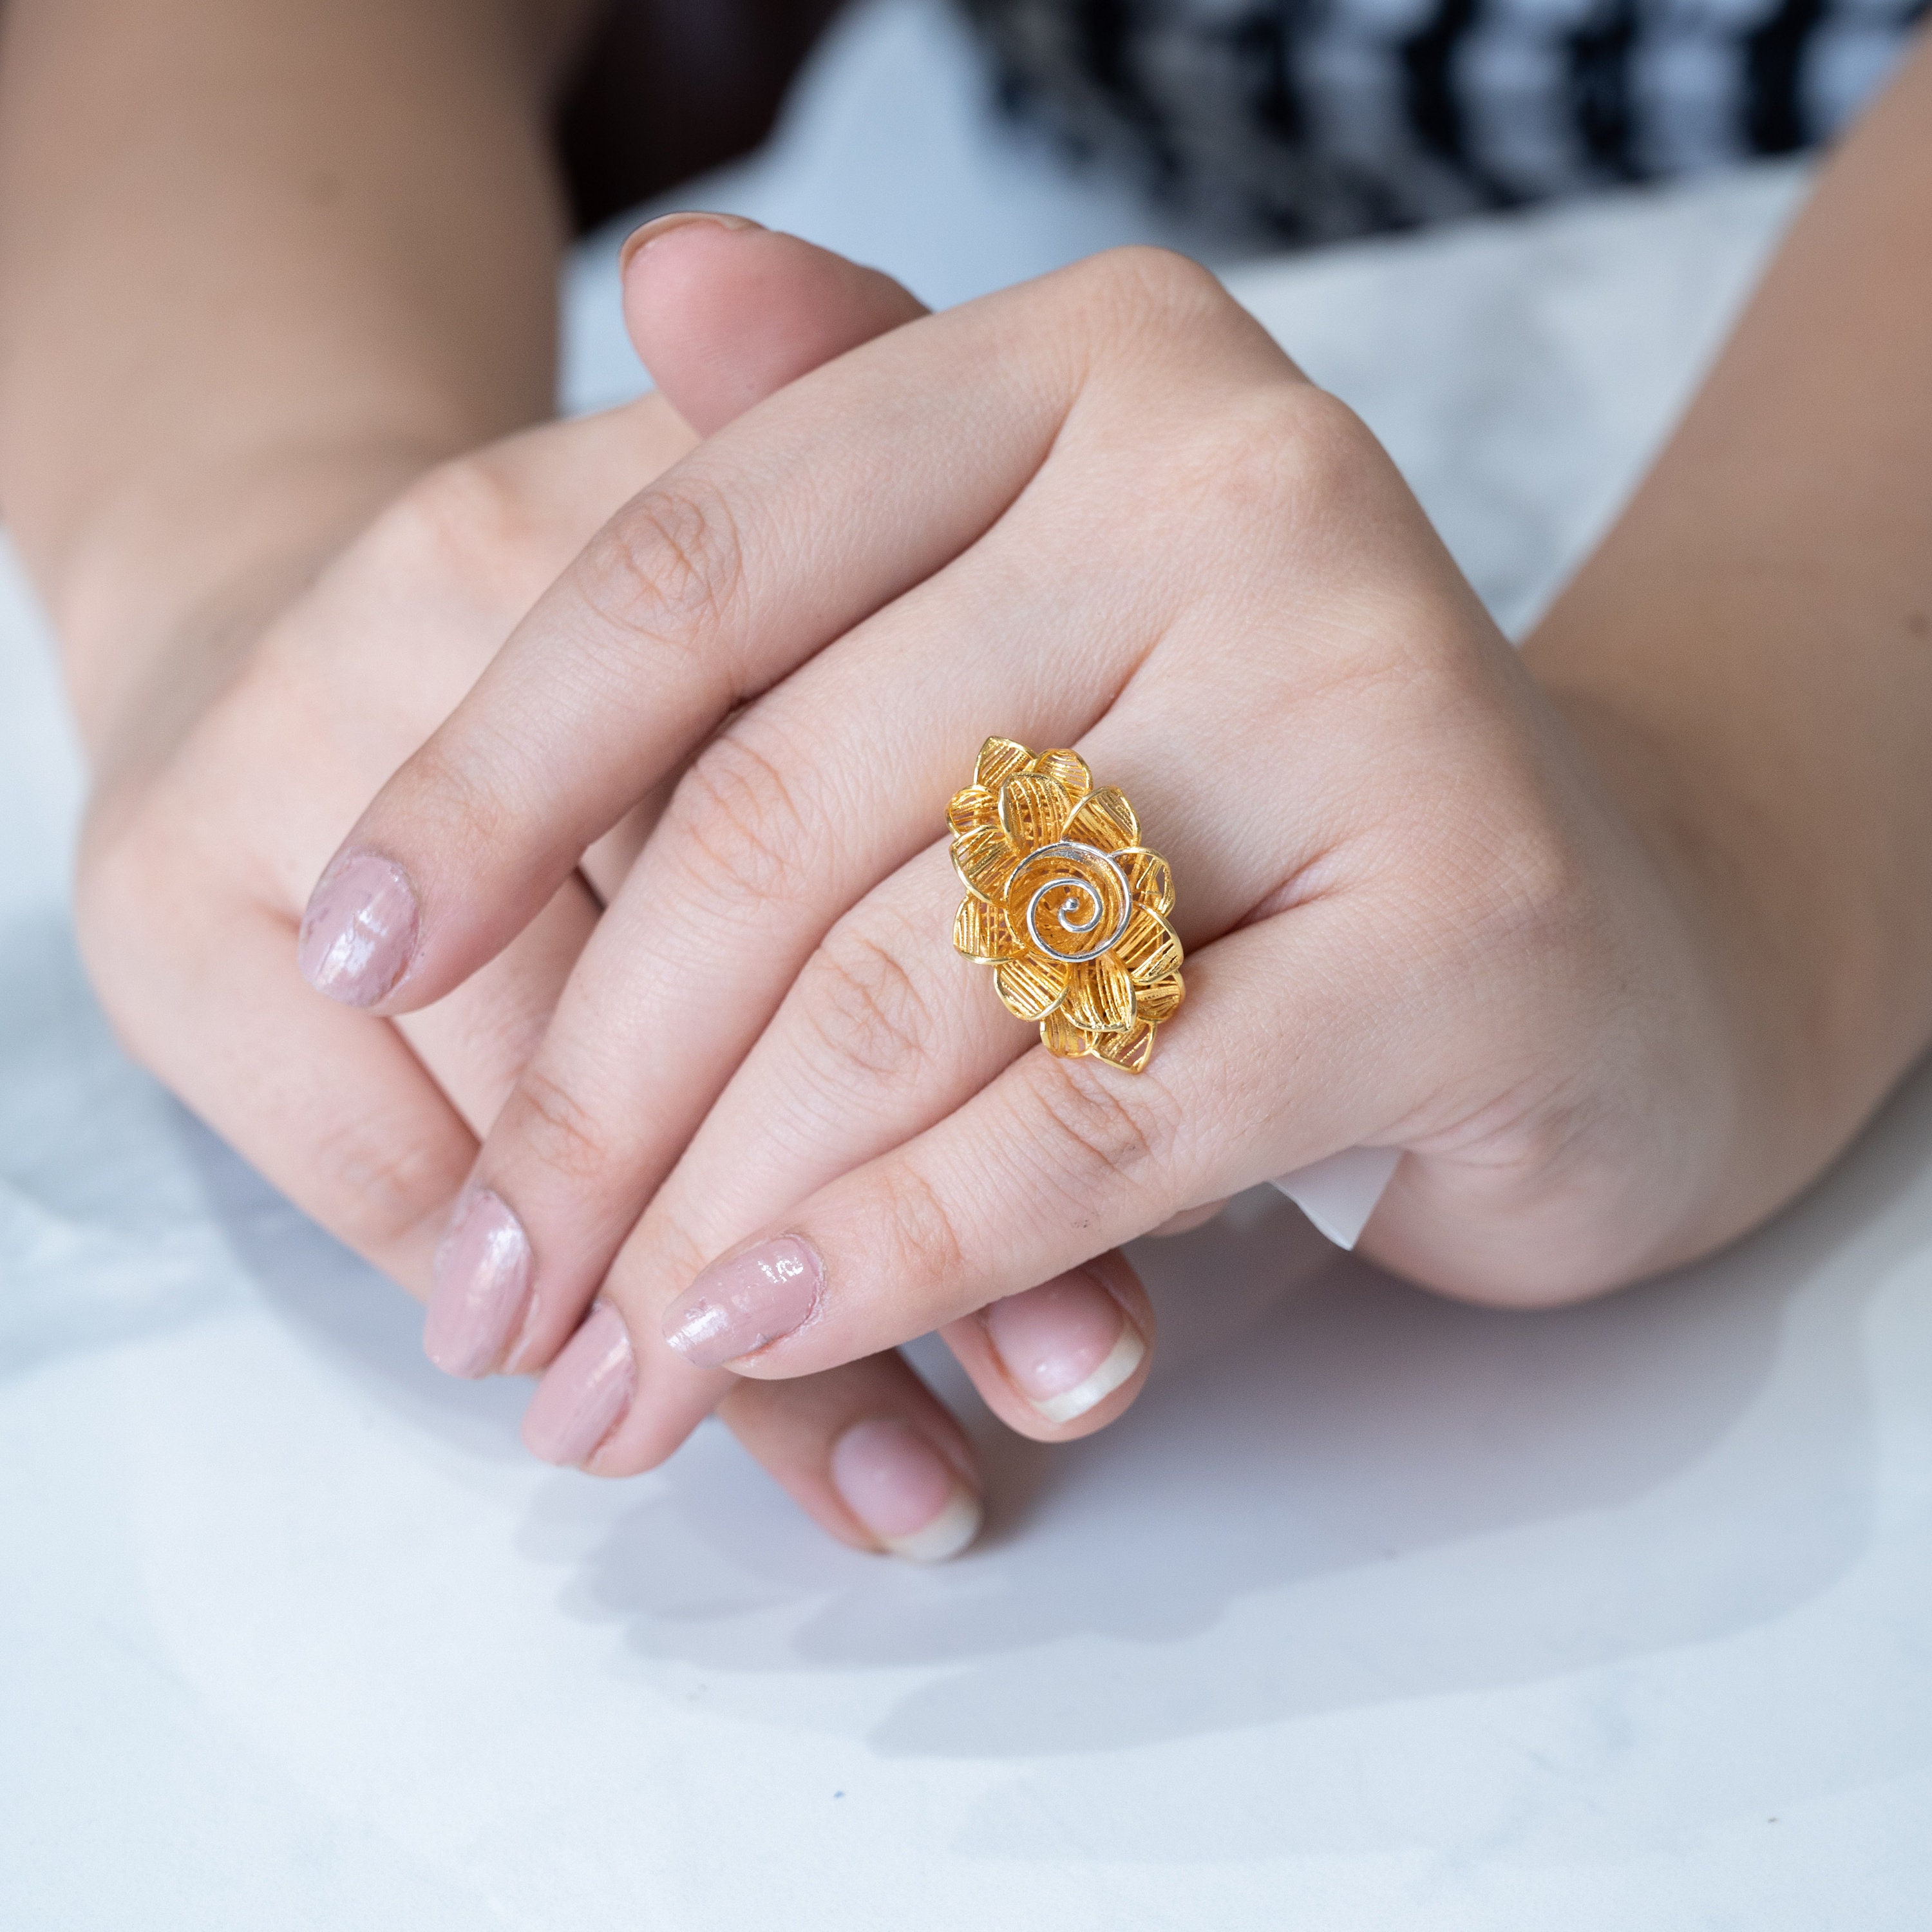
873,1026
1289,451
1536,882
1144,286
1092,1137
560,1131
928,1246
460,522
386,1184
669,567
448,797
127,883
738,814
1332,451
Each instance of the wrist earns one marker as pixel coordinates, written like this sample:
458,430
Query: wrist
1777,970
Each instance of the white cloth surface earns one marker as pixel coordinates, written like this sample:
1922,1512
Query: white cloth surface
1376,1612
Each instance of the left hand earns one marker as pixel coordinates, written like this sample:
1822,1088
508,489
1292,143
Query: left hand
1100,510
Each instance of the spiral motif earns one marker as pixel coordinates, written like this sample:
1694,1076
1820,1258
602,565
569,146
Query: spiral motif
1073,901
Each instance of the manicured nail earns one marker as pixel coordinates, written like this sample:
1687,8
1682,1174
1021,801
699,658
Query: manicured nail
359,935
904,1491
1066,1346
584,1393
742,1303
642,238
482,1286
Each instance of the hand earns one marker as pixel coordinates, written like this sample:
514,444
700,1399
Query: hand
1101,510
208,824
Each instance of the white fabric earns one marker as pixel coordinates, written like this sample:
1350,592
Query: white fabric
1339,1194
1378,1612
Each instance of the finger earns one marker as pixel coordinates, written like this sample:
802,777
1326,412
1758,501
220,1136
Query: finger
790,816
869,1453
758,549
476,1042
884,1033
724,313
333,1108
1058,1159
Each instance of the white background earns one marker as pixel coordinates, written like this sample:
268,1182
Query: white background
1375,1612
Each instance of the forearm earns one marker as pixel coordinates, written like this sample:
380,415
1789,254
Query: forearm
1749,654
260,260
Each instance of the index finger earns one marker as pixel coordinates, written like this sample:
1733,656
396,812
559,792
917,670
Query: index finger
791,525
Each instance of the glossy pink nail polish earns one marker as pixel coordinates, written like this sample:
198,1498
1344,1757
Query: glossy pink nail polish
904,1490
746,1300
584,1393
358,934
482,1287
1066,1346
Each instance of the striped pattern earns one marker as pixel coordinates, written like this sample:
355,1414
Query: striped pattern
1315,119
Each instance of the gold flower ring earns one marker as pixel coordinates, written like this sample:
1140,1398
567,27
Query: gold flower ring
1065,904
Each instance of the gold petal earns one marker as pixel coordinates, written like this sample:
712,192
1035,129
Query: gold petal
1033,810
1154,1003
984,858
1148,949
1131,1050
980,931
1106,819
1149,877
1031,988
1067,769
975,805
1100,997
999,759
1059,1035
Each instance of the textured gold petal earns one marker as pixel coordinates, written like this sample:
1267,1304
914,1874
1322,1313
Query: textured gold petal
980,931
1100,996
1031,988
1149,877
984,858
1148,949
1131,1050
1059,1035
999,759
1033,810
1106,819
975,805
1067,769
1154,1003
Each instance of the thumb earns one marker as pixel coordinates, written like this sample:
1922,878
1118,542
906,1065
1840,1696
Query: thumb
723,312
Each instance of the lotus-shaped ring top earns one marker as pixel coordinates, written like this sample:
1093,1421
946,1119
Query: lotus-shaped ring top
1065,904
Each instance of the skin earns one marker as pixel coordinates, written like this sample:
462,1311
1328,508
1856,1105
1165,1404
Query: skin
1620,940
278,550
275,573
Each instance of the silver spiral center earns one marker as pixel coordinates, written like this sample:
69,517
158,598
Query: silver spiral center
1076,902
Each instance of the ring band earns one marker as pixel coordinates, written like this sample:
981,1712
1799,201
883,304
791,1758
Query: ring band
1065,904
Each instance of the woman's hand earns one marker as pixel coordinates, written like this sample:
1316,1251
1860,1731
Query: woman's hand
1103,511
210,821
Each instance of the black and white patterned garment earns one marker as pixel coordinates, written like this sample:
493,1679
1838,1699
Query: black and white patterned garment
1320,119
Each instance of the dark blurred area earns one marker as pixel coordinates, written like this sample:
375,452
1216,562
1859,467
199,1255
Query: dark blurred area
667,89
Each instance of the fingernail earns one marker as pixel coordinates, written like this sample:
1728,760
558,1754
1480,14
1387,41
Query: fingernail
358,934
584,1393
642,238
742,1303
904,1491
482,1283
1066,1346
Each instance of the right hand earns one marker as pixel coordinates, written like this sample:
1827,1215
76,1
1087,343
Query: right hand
208,824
